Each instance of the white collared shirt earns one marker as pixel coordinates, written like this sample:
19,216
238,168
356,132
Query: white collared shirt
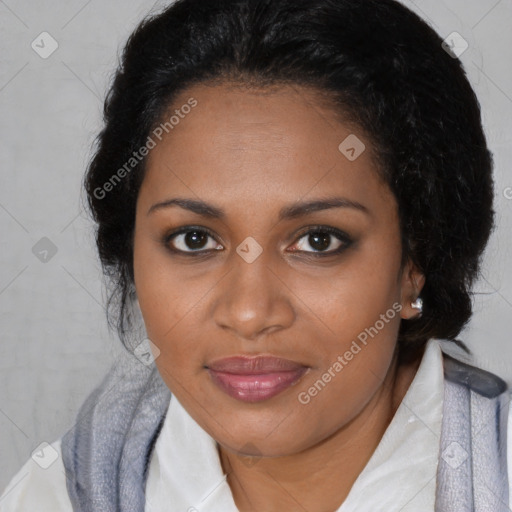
185,468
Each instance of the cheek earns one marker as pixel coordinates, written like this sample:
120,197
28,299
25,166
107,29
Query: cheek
170,299
363,317
160,297
359,292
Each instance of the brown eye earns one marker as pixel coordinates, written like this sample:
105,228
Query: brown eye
322,240
192,240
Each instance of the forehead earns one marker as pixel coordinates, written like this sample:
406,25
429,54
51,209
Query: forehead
262,145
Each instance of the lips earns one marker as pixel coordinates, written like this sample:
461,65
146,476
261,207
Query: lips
253,379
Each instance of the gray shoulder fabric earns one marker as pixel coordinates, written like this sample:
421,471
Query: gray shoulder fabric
106,452
472,473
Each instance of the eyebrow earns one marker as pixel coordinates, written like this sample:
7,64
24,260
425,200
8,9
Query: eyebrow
291,211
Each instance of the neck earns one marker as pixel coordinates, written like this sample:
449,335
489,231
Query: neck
319,479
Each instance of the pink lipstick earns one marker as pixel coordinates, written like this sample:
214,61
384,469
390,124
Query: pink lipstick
253,379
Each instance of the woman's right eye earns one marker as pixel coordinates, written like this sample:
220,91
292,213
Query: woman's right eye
191,241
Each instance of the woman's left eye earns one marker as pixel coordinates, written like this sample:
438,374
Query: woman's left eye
323,241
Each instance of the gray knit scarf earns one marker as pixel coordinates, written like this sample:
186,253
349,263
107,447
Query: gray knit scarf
107,452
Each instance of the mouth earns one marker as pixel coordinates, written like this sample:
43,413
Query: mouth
254,379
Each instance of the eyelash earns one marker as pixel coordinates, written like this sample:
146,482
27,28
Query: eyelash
340,235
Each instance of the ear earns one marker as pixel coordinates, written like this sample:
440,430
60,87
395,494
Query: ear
412,281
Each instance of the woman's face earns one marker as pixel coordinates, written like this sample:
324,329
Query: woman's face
243,267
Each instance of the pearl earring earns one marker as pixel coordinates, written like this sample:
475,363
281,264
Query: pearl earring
418,304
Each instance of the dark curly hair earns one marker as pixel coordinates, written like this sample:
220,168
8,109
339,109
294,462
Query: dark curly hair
382,67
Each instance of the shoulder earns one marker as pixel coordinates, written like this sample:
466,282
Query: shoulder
40,484
491,395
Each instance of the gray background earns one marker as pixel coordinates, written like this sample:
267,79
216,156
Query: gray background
55,346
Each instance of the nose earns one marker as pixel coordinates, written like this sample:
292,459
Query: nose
253,299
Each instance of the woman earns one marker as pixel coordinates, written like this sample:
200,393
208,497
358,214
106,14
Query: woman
296,197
